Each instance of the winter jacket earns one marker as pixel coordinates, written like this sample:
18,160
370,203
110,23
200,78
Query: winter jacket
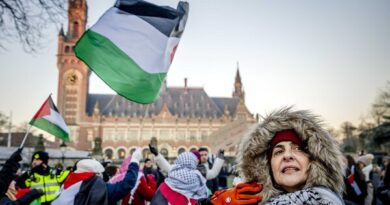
44,178
325,166
158,176
93,190
143,189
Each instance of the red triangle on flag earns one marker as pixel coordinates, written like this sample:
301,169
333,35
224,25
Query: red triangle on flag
44,110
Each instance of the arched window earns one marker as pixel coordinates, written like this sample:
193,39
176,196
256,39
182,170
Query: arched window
132,151
121,153
164,152
193,149
75,29
109,153
67,49
145,153
181,150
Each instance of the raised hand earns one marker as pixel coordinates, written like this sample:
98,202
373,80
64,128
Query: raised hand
221,154
153,149
137,156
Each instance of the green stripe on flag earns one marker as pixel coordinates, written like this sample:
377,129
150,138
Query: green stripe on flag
51,128
117,69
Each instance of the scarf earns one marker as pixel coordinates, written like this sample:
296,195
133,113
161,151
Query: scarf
309,196
73,178
185,179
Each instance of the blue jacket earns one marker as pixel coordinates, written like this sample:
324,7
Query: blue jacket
118,190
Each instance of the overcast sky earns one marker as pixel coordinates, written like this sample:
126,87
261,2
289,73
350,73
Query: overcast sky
331,57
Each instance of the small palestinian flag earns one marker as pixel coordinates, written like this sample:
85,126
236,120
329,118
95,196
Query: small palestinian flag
49,119
132,46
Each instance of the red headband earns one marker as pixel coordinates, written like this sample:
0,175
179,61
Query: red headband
284,135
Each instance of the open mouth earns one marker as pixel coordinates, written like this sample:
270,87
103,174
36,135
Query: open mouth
290,169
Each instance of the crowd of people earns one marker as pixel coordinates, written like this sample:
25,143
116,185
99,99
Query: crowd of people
289,158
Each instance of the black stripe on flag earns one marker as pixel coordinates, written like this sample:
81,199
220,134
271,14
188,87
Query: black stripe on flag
167,20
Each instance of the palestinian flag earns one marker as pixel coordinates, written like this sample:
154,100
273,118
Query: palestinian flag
49,119
132,46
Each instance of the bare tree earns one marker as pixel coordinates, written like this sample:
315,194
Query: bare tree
381,107
25,21
3,120
347,128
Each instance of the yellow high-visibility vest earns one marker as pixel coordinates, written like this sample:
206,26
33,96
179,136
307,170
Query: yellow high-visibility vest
49,184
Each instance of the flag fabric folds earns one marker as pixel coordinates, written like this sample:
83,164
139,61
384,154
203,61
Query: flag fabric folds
132,46
49,119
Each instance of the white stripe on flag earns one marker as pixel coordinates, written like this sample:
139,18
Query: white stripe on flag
142,42
57,119
68,195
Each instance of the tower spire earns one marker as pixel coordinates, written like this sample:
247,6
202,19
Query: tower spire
238,88
77,18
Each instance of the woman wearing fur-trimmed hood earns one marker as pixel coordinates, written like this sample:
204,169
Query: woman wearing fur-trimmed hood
322,174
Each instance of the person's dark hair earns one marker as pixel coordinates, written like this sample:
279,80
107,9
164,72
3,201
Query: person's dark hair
203,149
111,170
147,160
350,161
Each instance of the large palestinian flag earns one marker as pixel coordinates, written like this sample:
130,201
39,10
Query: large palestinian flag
49,119
132,46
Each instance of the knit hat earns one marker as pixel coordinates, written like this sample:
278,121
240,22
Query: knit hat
284,135
366,159
89,165
197,154
41,155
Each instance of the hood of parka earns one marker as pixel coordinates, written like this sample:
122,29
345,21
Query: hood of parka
325,167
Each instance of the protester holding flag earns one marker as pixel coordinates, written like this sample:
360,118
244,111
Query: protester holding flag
132,46
42,176
7,175
355,184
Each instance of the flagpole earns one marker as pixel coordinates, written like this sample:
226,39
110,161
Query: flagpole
25,137
9,130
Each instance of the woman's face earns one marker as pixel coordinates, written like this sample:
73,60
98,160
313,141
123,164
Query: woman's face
289,166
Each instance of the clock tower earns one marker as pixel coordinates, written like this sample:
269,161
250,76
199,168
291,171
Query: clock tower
73,74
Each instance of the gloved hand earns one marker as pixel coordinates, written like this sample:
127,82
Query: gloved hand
202,169
137,156
16,156
221,154
243,193
153,149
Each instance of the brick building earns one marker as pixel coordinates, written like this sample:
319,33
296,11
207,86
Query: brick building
181,119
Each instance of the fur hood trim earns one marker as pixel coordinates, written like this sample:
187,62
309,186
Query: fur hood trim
325,167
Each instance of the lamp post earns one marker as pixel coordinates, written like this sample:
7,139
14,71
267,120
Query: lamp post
63,150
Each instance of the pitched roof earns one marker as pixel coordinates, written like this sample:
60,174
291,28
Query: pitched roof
182,102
